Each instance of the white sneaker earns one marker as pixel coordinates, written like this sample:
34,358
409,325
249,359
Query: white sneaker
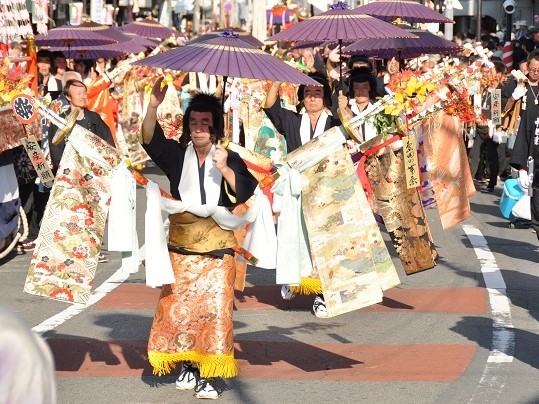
286,293
205,389
319,307
187,379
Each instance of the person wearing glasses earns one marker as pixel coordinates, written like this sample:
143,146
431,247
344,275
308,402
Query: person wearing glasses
527,140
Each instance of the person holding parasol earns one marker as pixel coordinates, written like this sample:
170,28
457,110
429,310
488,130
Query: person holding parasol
193,321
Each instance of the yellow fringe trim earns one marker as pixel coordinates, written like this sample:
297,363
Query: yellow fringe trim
209,365
308,286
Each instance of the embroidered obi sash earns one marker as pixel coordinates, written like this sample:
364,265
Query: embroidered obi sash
198,234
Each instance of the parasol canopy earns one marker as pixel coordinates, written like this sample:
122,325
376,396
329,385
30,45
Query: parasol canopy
342,24
149,29
403,48
69,36
105,30
146,42
91,53
244,35
408,10
229,56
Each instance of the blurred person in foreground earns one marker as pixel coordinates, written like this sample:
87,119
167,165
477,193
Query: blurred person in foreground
26,363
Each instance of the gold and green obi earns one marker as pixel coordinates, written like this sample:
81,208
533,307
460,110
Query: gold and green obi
198,234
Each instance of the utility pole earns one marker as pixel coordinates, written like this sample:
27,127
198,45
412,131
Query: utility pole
448,27
479,14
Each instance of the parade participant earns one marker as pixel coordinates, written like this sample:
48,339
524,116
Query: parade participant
527,141
60,64
47,83
193,322
361,98
313,119
35,205
484,131
75,92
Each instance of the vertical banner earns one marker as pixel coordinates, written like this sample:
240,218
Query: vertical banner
75,13
96,11
410,161
496,107
38,159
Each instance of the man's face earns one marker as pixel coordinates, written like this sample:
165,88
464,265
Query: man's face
361,91
80,68
313,98
533,70
44,65
77,96
199,126
60,63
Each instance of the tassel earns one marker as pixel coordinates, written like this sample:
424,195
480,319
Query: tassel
222,365
308,286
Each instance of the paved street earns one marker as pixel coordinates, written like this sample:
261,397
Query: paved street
464,331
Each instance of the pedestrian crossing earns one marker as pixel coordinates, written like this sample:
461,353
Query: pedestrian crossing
274,349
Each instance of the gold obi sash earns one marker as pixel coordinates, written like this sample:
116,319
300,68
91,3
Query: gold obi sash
198,234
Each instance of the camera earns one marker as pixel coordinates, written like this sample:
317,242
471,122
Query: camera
509,6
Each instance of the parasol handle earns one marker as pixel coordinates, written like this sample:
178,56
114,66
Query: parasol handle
340,63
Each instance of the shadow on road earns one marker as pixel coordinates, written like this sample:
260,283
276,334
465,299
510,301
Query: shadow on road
479,330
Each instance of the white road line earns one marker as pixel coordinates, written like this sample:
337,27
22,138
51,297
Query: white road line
99,293
502,349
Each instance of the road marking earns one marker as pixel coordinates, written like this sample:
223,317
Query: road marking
116,279
502,349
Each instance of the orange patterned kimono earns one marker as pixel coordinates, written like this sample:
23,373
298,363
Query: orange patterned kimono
193,319
187,328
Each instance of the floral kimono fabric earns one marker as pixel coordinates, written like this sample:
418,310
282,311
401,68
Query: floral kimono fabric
193,320
64,262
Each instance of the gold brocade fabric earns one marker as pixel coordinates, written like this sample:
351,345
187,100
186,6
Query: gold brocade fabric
449,169
347,248
402,211
198,234
193,320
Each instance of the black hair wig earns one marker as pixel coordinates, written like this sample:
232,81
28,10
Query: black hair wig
360,75
322,79
203,102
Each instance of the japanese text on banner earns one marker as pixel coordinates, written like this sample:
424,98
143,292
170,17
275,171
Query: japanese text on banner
410,161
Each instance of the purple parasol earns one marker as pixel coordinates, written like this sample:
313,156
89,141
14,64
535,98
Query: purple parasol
124,44
70,36
90,53
149,29
105,30
229,56
403,48
408,10
146,42
244,35
342,24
